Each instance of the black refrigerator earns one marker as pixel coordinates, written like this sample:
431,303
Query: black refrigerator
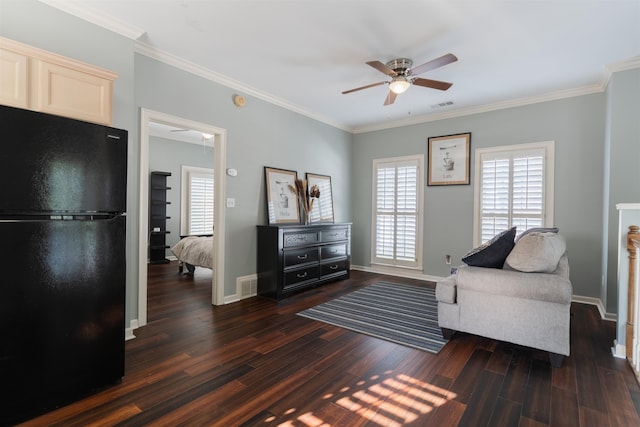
62,260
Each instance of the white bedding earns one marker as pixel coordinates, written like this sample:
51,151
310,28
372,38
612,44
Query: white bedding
195,250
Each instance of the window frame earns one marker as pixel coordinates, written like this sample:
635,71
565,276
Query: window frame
548,147
420,177
185,194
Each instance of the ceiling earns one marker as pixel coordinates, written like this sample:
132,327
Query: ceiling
191,136
301,54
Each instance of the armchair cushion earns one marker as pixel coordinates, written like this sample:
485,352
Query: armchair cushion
509,283
537,230
493,253
537,252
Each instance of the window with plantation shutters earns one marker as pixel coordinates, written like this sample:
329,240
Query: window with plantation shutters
514,187
197,200
397,220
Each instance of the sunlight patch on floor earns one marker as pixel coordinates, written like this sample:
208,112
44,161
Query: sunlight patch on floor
389,400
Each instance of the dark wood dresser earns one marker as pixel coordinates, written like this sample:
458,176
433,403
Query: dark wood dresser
292,258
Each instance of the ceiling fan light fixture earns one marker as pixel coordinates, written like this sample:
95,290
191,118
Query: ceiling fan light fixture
399,84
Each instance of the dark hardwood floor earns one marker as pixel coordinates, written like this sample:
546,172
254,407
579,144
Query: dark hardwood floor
255,363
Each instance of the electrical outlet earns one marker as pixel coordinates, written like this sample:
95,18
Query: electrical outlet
231,202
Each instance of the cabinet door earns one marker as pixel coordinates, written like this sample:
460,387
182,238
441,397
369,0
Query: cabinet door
13,79
67,92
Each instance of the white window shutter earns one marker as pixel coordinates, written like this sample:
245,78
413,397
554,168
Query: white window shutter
200,212
495,197
515,188
397,197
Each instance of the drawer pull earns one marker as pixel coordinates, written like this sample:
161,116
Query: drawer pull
305,256
302,275
333,267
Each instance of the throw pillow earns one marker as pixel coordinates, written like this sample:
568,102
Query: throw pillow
537,230
493,253
537,253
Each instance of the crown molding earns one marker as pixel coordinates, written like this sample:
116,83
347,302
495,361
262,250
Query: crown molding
86,13
190,67
629,64
180,63
519,102
134,33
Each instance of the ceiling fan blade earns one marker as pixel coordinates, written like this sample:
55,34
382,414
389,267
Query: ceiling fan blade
433,64
363,87
382,68
433,84
391,98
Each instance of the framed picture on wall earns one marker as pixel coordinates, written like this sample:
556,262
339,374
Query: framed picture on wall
449,159
322,210
282,202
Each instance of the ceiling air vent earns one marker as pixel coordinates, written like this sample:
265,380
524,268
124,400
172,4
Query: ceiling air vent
442,104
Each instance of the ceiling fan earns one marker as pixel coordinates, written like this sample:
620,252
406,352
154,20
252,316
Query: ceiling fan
402,75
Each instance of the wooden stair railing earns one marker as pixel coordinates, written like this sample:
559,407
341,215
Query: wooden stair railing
633,237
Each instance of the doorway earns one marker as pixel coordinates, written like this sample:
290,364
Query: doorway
220,160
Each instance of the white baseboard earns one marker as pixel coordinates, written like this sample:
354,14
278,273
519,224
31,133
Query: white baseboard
410,274
398,272
619,350
128,332
612,317
228,299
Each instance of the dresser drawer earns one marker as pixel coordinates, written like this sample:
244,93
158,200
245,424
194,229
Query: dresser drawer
300,256
333,268
300,276
300,239
334,234
333,251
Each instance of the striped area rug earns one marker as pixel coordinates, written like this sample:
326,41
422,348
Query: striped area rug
402,314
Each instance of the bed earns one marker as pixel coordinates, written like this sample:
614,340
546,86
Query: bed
194,251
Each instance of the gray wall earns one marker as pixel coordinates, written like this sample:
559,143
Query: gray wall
259,134
622,176
577,127
168,155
